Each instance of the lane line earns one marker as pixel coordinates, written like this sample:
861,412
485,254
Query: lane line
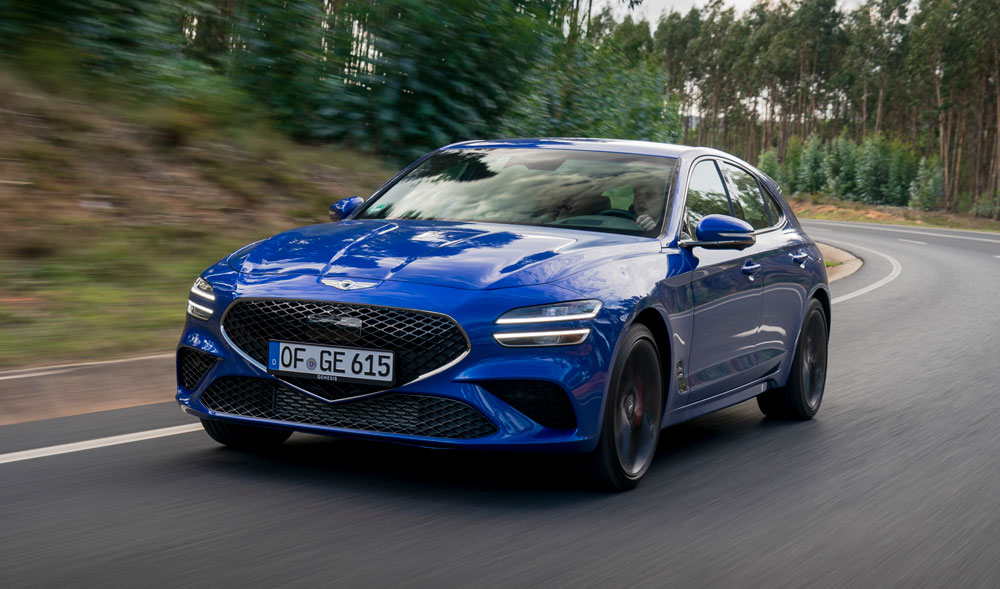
911,241
897,269
85,364
34,374
913,231
98,443
998,257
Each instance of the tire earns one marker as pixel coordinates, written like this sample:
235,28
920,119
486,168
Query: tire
632,415
244,437
801,396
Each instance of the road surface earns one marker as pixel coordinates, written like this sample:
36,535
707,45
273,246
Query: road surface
895,483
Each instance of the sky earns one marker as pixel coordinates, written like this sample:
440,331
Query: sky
651,9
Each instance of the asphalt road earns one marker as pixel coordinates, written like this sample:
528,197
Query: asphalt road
895,483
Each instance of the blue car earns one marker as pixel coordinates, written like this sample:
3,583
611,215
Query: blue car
540,295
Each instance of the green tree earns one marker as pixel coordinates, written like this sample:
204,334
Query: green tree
873,170
810,171
927,189
840,168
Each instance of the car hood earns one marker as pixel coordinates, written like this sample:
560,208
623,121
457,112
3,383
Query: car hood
453,254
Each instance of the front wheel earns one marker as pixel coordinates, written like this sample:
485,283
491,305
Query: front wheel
632,414
800,398
244,437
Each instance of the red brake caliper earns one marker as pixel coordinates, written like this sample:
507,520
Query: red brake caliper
637,414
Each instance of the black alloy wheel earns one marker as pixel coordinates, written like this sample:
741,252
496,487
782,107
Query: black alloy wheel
632,414
800,398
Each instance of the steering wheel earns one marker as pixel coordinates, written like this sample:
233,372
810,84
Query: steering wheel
617,213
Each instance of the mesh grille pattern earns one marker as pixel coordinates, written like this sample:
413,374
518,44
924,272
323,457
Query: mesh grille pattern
422,341
411,415
545,403
192,366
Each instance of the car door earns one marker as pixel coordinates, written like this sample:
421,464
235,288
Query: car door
726,296
783,259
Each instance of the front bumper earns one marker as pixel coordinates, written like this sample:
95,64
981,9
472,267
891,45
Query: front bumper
457,399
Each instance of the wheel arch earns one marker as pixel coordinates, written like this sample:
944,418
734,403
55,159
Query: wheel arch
653,320
823,296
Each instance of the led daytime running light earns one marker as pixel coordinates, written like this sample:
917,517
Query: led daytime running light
563,337
573,311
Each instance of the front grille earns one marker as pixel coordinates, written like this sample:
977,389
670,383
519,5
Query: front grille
411,415
192,366
543,402
422,341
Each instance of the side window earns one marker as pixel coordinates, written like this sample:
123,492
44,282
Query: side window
747,200
772,203
706,195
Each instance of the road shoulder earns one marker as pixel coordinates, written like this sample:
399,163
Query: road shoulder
845,263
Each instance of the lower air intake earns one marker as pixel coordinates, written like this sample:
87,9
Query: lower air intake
410,415
192,366
543,402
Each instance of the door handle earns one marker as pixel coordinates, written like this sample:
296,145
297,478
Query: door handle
800,258
750,269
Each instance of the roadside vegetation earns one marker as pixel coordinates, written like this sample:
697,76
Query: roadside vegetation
140,141
104,223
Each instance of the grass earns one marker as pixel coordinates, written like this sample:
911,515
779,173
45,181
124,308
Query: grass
826,208
121,209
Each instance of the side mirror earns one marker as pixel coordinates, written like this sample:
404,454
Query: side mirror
722,232
342,209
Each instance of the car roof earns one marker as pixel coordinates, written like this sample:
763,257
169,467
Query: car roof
587,144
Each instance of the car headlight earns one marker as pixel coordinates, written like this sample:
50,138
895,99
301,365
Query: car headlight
567,311
562,337
203,289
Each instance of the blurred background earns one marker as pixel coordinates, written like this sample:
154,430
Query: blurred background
140,141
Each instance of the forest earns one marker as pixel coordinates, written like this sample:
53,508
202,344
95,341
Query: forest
892,102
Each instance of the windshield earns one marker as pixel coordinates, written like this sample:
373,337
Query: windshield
613,192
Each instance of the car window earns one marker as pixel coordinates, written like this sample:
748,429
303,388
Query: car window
748,203
597,191
706,195
775,208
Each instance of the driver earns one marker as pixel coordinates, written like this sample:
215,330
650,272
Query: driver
647,202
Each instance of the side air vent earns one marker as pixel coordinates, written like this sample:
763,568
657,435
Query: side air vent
192,366
544,402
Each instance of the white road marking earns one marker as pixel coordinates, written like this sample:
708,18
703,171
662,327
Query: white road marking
33,374
98,443
897,268
808,222
998,257
43,370
912,241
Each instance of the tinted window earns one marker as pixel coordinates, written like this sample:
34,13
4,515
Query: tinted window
747,200
772,204
706,195
578,189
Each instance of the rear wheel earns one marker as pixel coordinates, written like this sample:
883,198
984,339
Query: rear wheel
244,437
800,398
632,414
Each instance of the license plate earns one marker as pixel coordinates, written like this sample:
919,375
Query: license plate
330,363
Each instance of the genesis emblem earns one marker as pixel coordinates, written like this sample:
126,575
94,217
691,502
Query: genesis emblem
348,284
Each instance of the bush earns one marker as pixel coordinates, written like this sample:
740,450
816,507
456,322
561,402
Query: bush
840,168
768,163
585,90
987,206
927,189
810,169
793,158
873,170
